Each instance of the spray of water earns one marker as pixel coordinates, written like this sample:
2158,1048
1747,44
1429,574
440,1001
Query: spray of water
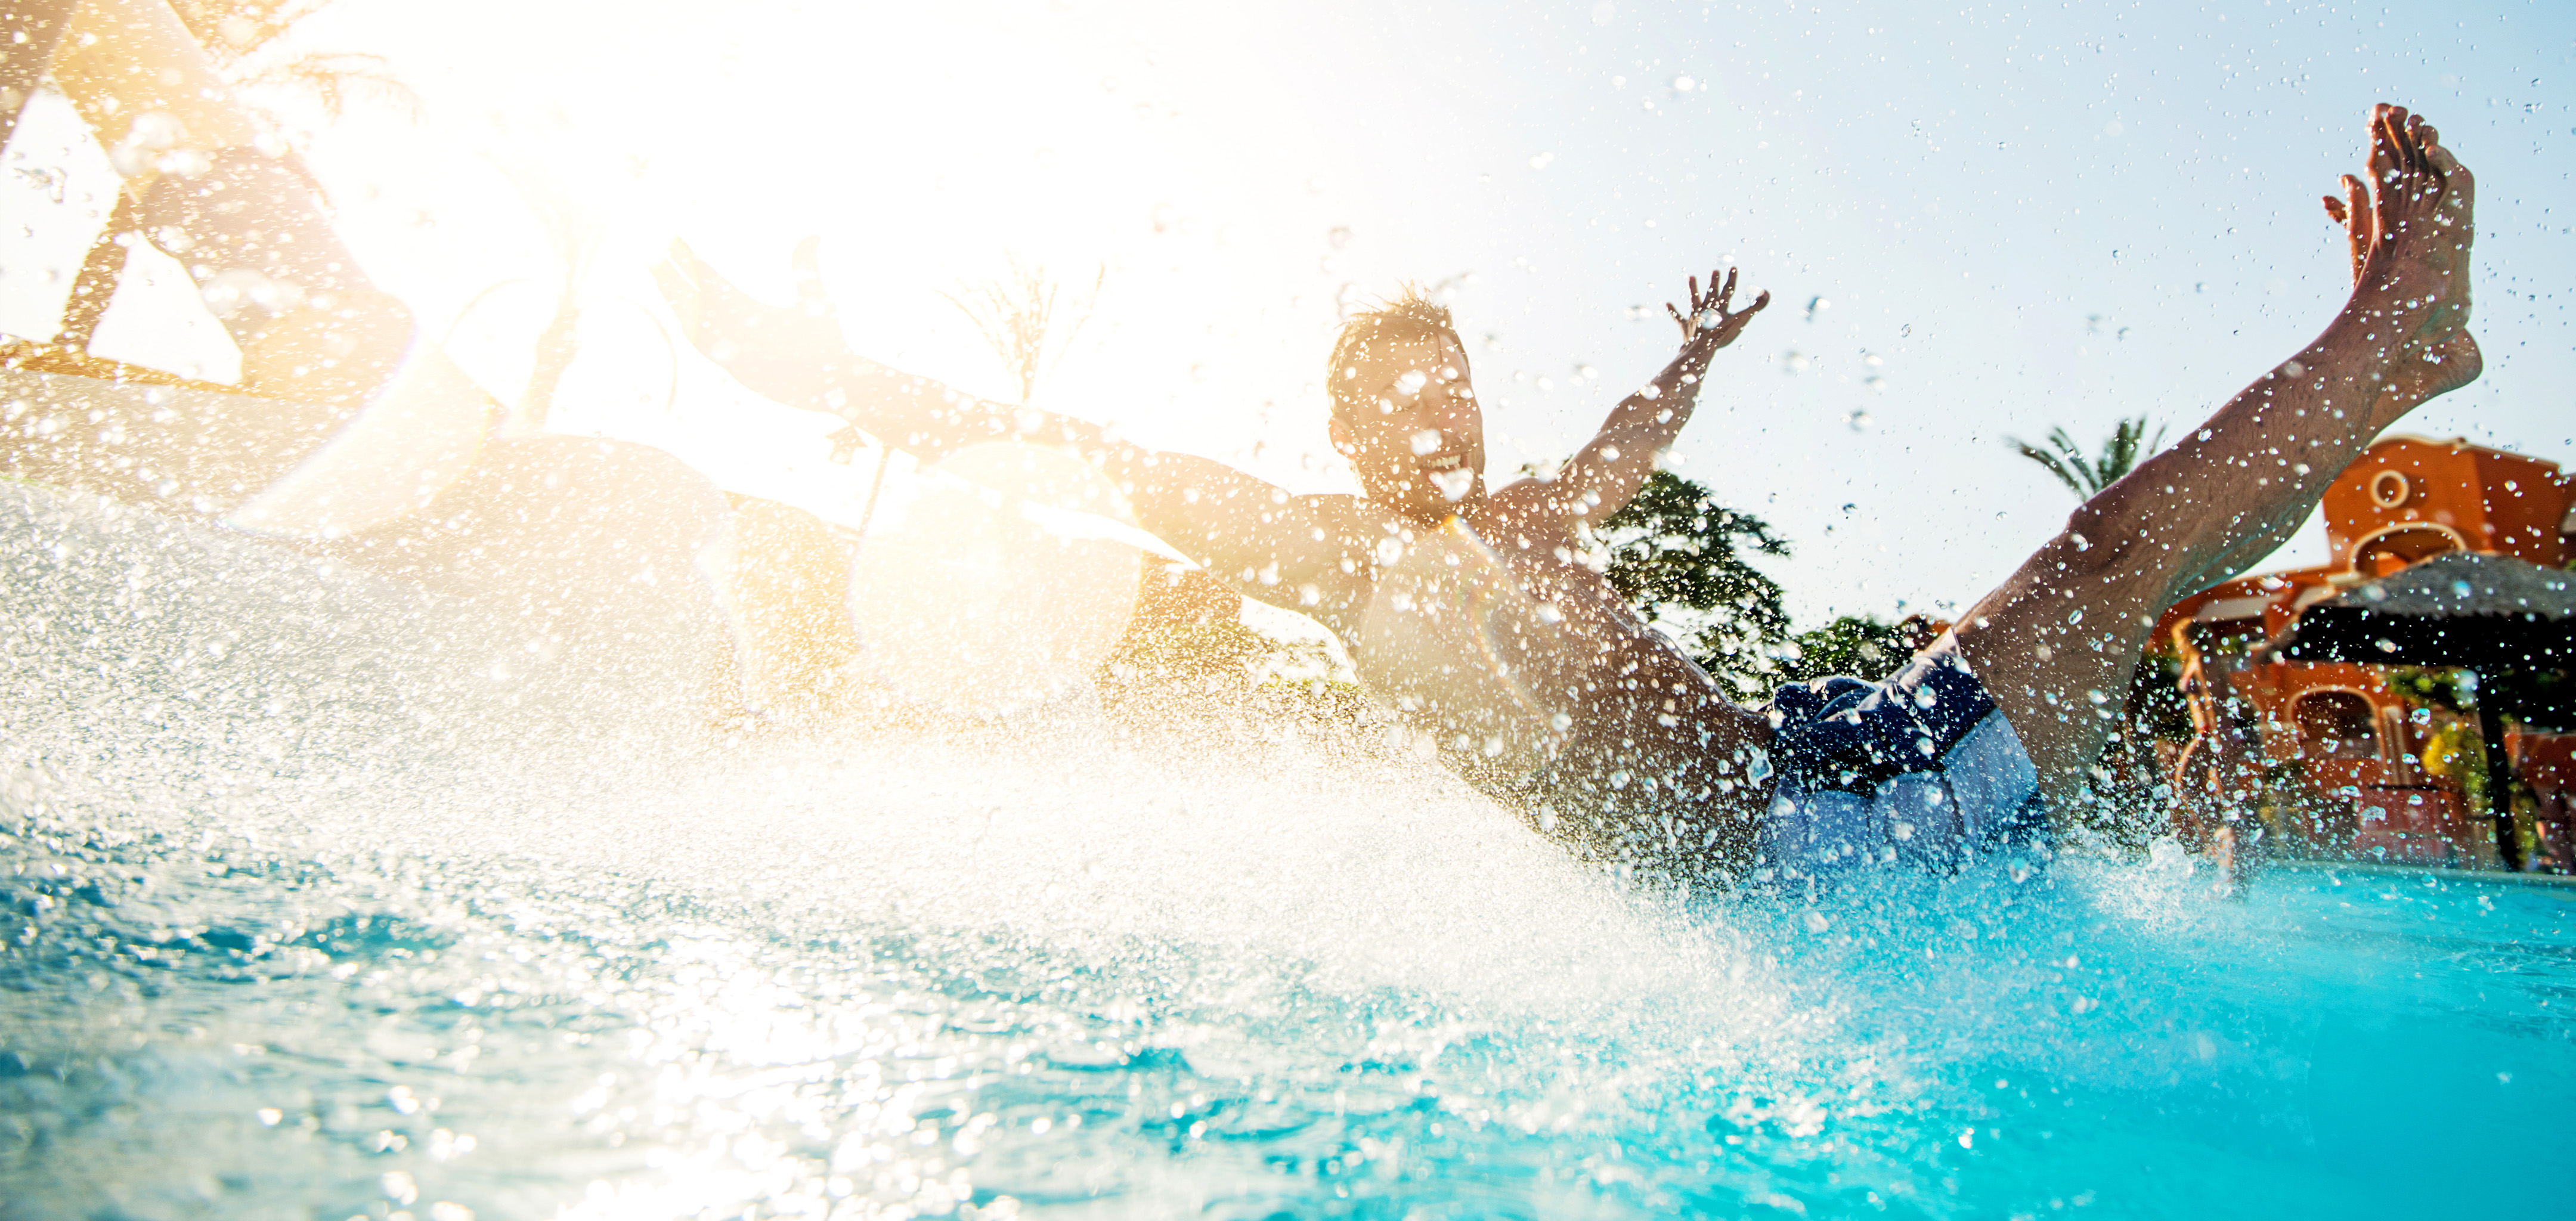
327,894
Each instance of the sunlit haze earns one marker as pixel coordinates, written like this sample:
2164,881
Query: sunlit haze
1973,224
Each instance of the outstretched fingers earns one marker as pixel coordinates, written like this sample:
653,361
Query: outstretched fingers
1710,316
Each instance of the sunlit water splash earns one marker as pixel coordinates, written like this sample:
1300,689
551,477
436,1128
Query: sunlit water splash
394,950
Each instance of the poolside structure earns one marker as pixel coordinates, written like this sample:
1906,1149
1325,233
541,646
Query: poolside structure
2444,554
2487,614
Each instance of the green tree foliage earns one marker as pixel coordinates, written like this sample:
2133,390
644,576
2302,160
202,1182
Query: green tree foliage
1862,646
1679,557
2542,699
2086,477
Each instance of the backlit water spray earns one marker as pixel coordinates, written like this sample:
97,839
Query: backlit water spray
325,898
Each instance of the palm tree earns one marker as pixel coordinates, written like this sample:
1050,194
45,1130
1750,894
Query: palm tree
1017,315
2120,452
240,33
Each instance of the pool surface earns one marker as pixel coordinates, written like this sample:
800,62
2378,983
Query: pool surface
305,924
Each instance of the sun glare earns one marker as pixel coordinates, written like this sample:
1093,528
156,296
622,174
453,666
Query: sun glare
926,145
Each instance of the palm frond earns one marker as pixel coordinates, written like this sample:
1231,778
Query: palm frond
2050,462
2084,476
333,78
1017,317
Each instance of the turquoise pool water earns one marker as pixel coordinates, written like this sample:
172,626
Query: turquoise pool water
311,926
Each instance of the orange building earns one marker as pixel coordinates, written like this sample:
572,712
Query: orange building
2408,498
2356,741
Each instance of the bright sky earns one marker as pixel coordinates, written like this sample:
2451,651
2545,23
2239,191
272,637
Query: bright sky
1974,221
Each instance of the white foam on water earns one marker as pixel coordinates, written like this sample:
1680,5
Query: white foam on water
339,870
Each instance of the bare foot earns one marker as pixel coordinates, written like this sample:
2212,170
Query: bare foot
2410,259
2415,272
2416,374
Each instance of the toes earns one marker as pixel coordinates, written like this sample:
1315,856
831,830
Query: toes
2401,133
2455,176
2382,155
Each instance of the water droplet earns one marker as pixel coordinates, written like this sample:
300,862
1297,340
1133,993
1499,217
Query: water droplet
1815,922
1858,421
1793,362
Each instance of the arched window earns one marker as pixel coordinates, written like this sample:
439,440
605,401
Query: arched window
2336,725
2394,547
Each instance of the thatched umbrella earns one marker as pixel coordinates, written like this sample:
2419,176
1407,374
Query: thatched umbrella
2488,614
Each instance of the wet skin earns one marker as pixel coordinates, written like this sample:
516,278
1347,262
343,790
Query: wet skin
1635,704
2069,624
2073,619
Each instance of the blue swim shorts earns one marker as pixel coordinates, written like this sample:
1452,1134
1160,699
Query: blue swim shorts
1917,769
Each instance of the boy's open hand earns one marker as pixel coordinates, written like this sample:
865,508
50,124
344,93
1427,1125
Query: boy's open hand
1709,326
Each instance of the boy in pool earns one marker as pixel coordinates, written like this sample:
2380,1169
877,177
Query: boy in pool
1468,611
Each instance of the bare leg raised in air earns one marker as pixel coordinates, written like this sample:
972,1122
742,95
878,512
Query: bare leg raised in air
2057,641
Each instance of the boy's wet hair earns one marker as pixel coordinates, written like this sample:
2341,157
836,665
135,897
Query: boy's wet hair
1409,315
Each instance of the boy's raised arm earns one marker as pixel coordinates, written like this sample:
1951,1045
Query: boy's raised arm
1606,474
794,354
1281,548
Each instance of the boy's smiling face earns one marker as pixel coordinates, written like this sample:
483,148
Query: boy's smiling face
1413,431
